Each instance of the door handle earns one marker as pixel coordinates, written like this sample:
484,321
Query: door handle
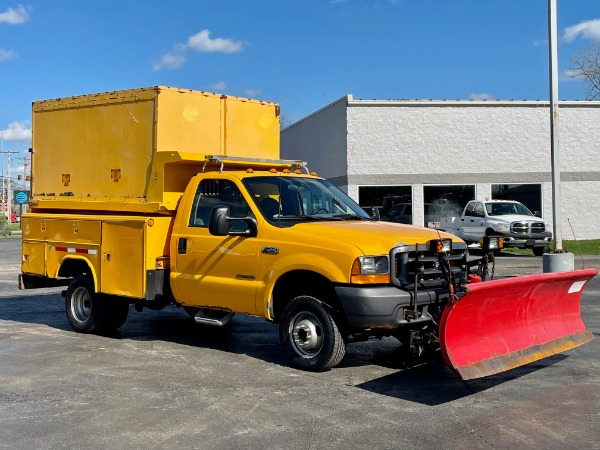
182,246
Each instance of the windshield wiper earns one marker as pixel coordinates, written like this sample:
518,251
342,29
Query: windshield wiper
297,217
349,217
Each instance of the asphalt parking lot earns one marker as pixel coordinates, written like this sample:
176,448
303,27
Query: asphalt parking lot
165,382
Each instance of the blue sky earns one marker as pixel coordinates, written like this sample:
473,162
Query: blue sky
300,54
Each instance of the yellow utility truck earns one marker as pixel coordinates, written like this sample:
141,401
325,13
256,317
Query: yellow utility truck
162,196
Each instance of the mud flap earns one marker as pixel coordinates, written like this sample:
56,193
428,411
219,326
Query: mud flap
502,324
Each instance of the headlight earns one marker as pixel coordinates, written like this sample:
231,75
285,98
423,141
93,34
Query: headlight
502,227
371,270
489,243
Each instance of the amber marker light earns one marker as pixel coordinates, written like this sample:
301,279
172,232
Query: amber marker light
437,246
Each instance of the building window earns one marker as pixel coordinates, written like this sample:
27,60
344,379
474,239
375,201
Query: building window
385,197
445,201
528,194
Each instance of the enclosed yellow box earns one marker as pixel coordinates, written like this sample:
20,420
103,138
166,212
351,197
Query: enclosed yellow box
135,150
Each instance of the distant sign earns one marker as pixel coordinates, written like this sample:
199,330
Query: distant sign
21,197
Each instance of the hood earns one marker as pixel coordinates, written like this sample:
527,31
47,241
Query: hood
508,218
372,238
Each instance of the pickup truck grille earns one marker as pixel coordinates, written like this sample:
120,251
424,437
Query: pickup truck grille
415,263
528,227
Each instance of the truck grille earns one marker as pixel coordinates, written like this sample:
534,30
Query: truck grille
528,227
411,262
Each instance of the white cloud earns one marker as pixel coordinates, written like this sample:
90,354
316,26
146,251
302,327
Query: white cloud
252,92
171,60
16,131
7,54
482,96
218,86
201,42
570,75
14,16
540,43
589,29
333,2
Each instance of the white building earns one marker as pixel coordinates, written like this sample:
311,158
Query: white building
439,154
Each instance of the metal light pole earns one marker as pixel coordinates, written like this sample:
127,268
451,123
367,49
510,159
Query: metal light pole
554,150
557,261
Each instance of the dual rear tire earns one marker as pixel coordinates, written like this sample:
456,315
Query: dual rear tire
90,312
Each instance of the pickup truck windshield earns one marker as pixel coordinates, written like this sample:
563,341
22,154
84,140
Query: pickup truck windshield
502,209
285,201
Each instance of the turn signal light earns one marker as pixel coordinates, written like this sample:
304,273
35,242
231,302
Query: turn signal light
437,246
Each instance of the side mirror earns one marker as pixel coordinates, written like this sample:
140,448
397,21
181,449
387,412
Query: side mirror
537,214
375,214
219,223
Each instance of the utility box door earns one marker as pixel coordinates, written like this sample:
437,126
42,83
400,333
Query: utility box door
34,258
122,259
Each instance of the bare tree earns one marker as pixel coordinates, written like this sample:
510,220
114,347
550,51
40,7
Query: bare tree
586,67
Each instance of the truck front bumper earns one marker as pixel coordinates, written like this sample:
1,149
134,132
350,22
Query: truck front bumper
384,307
526,240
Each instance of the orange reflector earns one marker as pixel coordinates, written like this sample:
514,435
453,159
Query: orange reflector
163,262
150,222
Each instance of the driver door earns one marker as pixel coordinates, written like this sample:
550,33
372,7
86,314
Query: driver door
216,271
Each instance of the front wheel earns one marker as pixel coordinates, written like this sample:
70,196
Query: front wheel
309,335
539,251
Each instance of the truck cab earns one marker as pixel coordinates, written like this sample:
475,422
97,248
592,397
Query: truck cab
510,219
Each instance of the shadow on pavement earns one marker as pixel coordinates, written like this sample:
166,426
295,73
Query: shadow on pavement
430,384
435,383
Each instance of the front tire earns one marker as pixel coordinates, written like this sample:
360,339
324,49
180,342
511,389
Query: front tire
539,251
309,335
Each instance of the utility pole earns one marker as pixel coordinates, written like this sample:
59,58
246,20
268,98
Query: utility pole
8,189
25,161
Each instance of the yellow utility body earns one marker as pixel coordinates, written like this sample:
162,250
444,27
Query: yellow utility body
160,196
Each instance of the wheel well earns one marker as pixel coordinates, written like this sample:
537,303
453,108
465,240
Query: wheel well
303,282
70,268
489,232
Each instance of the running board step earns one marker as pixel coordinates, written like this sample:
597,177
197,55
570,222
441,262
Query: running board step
202,318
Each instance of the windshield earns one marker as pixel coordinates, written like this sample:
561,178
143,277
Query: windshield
504,208
285,201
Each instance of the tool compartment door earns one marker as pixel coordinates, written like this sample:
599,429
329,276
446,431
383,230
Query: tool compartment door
122,258
34,258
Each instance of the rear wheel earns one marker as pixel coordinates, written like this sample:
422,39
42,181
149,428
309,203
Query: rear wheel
85,311
118,310
309,335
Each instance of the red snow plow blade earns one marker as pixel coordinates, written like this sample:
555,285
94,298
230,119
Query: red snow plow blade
502,324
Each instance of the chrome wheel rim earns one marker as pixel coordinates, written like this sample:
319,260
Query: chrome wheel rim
306,333
81,304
